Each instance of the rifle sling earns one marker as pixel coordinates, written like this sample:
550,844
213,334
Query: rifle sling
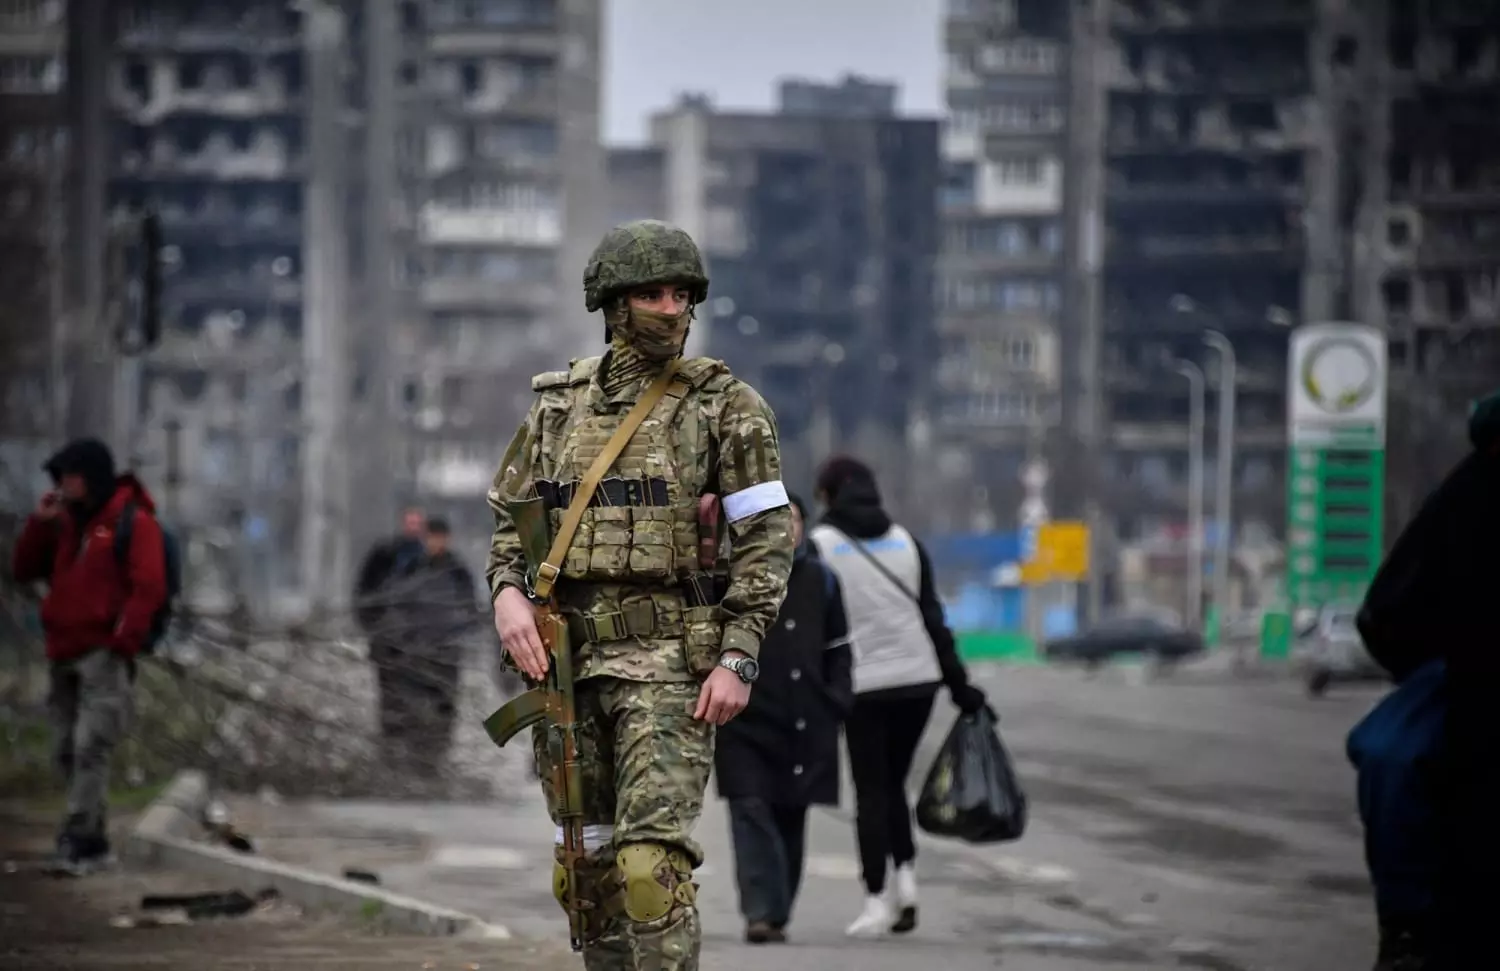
551,568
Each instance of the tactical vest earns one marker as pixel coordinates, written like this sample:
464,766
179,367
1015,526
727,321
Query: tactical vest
642,523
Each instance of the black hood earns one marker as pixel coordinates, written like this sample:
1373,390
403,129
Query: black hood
89,458
855,509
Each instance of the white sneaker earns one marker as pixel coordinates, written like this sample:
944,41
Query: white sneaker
873,921
906,885
905,893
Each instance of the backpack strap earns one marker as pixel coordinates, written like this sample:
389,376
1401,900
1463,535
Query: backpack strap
124,533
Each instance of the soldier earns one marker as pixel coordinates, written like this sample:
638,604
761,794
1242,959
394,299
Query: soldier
660,656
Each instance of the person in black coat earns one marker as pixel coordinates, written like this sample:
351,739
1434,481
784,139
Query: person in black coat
1433,599
781,754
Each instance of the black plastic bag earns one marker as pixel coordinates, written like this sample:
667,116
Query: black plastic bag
972,792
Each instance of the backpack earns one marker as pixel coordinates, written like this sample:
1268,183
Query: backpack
171,558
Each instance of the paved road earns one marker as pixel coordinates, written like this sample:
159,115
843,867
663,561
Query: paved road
1175,824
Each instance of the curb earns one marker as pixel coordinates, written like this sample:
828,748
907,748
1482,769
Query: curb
162,838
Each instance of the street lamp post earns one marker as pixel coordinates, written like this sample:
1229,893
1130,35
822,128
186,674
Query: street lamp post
1194,374
1224,500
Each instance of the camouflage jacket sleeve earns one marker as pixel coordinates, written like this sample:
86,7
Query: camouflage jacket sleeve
506,566
758,514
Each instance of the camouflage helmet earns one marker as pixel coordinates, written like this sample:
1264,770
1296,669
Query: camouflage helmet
644,251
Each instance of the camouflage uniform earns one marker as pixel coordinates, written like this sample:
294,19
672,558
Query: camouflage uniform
642,648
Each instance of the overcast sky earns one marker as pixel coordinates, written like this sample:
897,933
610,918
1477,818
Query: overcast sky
735,50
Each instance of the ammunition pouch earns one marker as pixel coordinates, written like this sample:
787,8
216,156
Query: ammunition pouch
702,638
630,544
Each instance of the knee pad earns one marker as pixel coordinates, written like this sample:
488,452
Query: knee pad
656,880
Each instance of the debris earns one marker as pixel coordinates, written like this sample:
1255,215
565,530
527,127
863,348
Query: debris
171,918
199,906
361,876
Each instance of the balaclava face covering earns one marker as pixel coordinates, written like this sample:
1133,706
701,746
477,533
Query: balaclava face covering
641,341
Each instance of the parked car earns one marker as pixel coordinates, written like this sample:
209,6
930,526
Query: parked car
1144,634
1328,649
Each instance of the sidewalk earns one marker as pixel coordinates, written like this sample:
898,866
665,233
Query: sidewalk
51,923
494,861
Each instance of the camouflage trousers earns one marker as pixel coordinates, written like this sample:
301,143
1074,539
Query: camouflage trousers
645,765
90,701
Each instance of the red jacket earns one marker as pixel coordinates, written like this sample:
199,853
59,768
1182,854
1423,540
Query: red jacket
91,602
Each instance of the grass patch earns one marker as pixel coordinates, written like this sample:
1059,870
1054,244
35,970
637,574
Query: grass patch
172,728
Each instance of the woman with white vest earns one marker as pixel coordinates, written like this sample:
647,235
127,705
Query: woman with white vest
903,650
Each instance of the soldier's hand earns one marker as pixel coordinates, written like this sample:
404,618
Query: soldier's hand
515,622
723,696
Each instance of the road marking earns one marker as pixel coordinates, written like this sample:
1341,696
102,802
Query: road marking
832,867
477,858
1025,872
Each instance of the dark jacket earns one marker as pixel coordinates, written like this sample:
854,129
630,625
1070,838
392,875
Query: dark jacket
381,565
1433,595
784,747
91,602
856,511
429,609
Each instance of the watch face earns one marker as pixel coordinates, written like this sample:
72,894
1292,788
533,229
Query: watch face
749,670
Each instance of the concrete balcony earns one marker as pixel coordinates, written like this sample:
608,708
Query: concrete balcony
454,293
452,225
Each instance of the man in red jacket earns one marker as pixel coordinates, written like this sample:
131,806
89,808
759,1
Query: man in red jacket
97,614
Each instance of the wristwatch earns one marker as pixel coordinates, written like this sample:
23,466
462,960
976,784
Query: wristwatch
747,668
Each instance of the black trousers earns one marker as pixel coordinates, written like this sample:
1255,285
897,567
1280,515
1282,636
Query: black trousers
416,722
769,845
882,734
1470,832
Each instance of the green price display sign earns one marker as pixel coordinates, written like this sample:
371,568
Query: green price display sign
1336,404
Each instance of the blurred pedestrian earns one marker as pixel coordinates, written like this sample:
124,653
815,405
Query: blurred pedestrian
781,755
99,611
432,609
903,650
386,563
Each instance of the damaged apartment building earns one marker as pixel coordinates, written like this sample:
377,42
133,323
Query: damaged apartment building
365,240
819,225
32,214
1213,147
1258,167
1431,91
994,400
504,125
206,123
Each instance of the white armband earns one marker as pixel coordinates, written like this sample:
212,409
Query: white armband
757,498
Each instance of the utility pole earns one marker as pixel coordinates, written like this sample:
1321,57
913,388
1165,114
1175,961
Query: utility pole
325,451
1192,617
1223,502
90,31
379,318
1082,412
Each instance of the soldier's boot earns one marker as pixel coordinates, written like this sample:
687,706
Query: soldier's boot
658,929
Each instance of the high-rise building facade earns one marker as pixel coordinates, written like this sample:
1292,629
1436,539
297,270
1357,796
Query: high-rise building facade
510,177
209,121
32,225
819,226
999,292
